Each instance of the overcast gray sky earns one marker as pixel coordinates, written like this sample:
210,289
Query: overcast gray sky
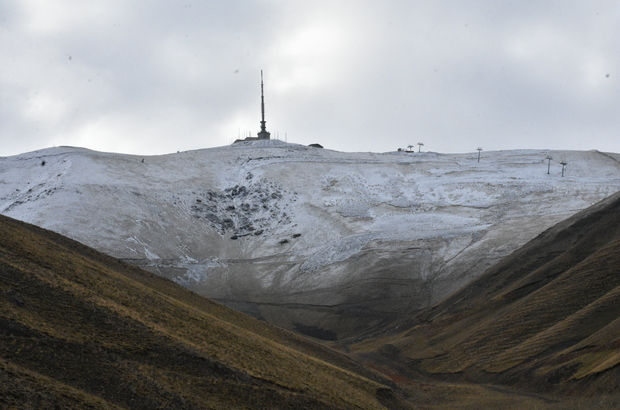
154,77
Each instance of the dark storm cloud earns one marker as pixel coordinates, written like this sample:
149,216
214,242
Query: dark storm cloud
156,77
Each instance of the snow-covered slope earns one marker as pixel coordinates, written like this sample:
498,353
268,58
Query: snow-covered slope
324,242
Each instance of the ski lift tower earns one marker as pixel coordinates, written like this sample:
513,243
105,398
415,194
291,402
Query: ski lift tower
563,165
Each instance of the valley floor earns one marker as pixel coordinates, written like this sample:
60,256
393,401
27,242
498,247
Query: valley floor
474,397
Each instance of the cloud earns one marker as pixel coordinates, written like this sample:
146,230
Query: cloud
161,76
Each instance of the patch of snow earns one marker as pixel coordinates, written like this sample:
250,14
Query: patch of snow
150,255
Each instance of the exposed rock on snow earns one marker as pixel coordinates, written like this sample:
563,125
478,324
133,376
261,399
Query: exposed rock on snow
307,239
242,210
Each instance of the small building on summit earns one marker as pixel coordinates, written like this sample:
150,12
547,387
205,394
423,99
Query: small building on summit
263,134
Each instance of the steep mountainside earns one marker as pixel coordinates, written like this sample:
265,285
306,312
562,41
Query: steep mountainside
79,329
546,318
326,243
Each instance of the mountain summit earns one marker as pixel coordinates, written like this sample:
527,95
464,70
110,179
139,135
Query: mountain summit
326,243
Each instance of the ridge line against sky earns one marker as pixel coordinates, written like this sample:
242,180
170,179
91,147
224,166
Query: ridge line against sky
162,76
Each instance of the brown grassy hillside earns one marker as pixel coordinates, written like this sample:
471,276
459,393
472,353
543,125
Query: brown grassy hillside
79,329
546,319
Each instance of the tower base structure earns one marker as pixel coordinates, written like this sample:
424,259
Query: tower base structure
264,135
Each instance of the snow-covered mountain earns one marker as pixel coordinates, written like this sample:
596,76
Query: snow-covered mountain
324,242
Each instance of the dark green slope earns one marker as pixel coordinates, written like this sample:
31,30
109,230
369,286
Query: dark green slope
79,329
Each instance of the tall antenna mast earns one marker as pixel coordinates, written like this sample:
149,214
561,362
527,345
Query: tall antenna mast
263,134
262,103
